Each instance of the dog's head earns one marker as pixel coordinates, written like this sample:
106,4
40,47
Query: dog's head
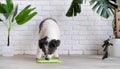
48,48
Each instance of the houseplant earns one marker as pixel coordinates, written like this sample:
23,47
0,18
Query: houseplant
11,16
104,8
106,45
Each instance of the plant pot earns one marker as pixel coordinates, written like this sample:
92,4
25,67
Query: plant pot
7,51
115,49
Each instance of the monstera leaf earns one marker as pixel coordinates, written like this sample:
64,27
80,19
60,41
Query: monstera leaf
104,8
118,1
75,8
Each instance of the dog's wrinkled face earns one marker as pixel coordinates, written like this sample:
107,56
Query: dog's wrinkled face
48,48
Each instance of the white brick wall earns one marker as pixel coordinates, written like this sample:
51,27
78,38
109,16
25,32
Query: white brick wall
83,34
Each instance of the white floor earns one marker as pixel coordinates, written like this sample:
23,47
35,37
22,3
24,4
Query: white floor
68,62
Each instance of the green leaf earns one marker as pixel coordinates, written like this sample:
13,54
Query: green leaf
75,8
15,12
113,3
1,19
92,2
105,13
70,13
10,5
105,55
99,9
79,1
106,47
28,6
27,18
2,10
23,14
112,11
78,8
103,45
111,44
118,1
7,11
95,7
102,7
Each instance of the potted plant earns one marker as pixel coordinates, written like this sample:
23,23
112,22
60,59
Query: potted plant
104,8
106,45
11,16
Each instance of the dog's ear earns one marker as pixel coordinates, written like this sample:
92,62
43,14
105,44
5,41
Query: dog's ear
54,43
43,42
40,44
57,42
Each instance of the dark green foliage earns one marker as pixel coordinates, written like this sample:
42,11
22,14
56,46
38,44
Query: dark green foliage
75,8
105,46
10,5
1,20
7,11
2,10
15,13
104,8
118,1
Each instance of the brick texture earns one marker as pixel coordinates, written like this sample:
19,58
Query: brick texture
83,34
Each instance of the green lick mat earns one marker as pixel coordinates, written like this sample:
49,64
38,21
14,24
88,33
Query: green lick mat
43,61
